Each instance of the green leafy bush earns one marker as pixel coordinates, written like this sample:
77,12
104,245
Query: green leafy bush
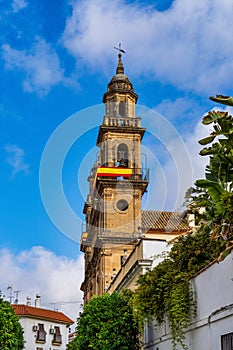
11,332
107,322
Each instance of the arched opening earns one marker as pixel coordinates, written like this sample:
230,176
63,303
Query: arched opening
122,109
122,155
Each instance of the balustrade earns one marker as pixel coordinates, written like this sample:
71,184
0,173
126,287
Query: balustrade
122,121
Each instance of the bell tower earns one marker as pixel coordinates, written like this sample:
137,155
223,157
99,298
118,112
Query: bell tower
117,183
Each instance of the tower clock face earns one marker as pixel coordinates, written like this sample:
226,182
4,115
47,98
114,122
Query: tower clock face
122,205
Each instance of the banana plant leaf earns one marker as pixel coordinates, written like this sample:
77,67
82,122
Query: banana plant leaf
206,151
225,100
214,189
214,116
207,140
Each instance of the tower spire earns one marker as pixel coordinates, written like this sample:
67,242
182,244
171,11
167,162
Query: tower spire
120,67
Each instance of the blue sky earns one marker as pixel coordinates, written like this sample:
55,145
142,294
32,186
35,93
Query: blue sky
56,59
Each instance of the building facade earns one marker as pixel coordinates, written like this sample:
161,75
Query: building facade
43,329
117,183
115,221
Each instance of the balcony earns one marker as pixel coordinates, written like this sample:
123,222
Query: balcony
57,339
114,175
41,336
122,122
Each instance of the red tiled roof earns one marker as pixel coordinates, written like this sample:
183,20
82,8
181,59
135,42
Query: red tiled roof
163,221
37,312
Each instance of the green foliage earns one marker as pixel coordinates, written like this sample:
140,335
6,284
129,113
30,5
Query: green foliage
107,322
164,292
226,100
72,345
193,252
11,332
214,193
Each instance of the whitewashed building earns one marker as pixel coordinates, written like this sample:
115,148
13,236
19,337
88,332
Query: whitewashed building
43,329
212,328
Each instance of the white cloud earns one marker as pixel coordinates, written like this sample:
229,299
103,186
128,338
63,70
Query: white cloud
182,108
189,45
191,139
16,159
56,279
178,163
41,65
173,173
18,5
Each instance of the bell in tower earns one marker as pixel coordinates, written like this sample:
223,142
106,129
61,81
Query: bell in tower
122,155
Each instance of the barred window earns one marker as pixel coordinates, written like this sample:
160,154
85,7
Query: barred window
227,341
57,338
41,334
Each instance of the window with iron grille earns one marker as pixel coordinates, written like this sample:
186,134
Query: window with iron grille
227,341
57,338
41,334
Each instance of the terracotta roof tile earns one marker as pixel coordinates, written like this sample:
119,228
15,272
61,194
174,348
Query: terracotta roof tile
37,312
163,221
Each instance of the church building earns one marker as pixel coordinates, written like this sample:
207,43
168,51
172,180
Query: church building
117,181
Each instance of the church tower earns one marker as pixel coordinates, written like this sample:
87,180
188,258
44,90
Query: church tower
117,182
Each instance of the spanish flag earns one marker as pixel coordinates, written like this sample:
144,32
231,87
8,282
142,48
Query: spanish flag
84,237
107,171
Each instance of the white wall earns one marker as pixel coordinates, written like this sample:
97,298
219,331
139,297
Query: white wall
30,336
154,249
214,295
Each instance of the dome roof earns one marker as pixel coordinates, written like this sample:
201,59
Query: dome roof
119,77
120,82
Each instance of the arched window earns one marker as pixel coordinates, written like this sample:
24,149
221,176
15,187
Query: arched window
122,155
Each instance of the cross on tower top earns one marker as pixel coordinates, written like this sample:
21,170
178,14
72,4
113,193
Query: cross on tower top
119,49
120,68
